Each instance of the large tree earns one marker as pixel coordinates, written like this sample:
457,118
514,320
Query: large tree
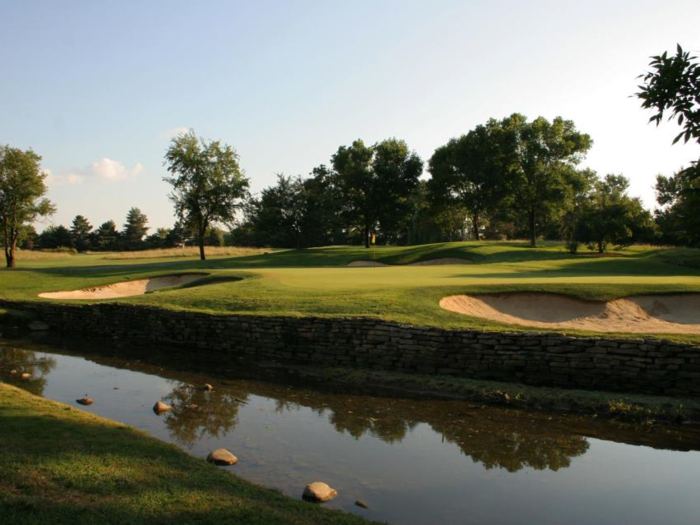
135,229
22,189
106,237
377,183
672,89
208,183
469,172
80,233
611,216
541,156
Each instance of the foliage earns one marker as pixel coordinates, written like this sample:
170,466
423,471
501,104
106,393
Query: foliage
80,234
612,217
673,85
679,213
208,183
376,183
22,189
469,172
55,237
106,237
134,229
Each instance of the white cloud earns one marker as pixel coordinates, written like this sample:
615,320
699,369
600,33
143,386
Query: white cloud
56,180
174,132
104,169
109,169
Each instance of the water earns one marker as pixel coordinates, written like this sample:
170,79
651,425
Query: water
413,461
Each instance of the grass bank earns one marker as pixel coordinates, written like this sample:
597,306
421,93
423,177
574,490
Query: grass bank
62,465
318,281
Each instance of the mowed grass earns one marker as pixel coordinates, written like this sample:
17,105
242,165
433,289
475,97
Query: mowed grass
60,465
318,282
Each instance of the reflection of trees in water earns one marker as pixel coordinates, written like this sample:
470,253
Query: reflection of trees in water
494,437
25,361
515,444
215,413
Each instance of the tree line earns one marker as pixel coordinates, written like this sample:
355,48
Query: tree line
511,178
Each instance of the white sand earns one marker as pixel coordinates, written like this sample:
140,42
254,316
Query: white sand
127,288
673,314
432,262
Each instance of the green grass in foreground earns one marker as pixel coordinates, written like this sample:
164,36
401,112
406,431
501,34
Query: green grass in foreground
60,465
318,282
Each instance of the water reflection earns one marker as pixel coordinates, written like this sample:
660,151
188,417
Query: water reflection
198,413
416,461
16,362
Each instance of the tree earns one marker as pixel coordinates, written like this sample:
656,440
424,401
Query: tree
672,87
376,183
468,171
106,237
135,229
22,189
208,183
55,237
541,157
678,215
80,233
158,239
613,217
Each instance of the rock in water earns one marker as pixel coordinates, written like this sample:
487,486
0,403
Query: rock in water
85,401
362,504
319,491
208,387
222,456
160,408
38,326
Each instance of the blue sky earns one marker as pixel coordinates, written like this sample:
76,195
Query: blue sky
97,87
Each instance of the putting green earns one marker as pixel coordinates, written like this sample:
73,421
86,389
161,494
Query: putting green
319,282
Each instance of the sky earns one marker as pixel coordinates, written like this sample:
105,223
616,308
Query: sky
99,88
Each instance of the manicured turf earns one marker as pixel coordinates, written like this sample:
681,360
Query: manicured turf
318,282
60,465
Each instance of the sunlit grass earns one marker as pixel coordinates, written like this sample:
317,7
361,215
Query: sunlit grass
318,281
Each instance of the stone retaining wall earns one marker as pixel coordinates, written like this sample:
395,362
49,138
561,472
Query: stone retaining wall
641,365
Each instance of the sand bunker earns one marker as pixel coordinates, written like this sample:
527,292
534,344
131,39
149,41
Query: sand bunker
672,314
443,261
431,262
127,288
366,264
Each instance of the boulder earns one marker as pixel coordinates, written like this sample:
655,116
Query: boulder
222,456
26,375
161,408
208,387
13,372
85,401
319,492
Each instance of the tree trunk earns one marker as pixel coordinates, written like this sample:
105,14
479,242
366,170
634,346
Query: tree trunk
202,233
533,229
366,235
475,222
10,252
